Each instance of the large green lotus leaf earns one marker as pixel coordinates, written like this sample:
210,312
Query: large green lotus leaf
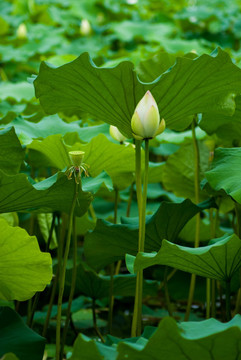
9,356
53,194
100,154
8,111
101,181
208,339
54,151
28,130
16,337
87,349
24,269
226,127
45,223
97,286
148,70
173,137
11,152
109,243
179,171
155,172
188,232
111,94
217,261
84,224
226,171
21,91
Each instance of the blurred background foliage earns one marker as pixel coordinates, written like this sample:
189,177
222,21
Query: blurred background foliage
59,30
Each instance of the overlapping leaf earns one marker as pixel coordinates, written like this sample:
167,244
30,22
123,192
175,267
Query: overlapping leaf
111,94
179,171
226,172
17,338
24,269
100,154
208,339
217,261
226,127
109,243
11,152
53,194
97,286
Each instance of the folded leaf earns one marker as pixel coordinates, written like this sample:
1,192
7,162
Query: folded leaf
53,194
218,261
109,243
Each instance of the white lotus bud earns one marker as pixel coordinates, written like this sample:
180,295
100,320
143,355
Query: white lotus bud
22,31
85,27
116,134
145,122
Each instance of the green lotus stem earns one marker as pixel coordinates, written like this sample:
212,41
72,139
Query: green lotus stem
37,295
72,289
213,228
238,300
208,281
92,212
139,275
213,297
228,303
167,297
128,210
63,272
118,266
138,180
50,232
95,322
51,302
169,276
208,297
198,219
33,309
137,326
61,237
144,196
29,308
112,271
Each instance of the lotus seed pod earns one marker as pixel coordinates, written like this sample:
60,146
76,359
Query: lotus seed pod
145,122
76,157
116,134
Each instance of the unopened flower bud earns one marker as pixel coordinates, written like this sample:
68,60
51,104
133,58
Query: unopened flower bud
116,134
22,32
85,27
145,122
76,157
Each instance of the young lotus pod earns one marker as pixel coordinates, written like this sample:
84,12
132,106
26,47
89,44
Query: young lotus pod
145,122
76,157
116,134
